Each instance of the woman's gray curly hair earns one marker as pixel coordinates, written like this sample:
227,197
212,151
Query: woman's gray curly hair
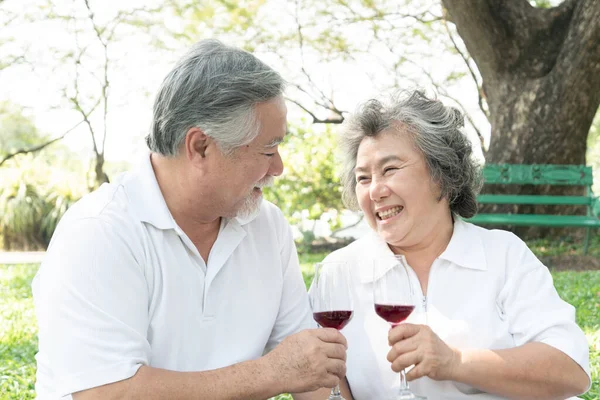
436,131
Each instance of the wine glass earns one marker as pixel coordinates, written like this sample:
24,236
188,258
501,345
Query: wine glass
394,301
331,300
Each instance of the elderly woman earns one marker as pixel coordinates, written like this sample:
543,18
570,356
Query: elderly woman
489,323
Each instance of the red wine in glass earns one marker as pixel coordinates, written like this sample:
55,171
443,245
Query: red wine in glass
394,300
331,300
333,319
394,313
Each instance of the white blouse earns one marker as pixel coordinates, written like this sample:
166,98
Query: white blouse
487,290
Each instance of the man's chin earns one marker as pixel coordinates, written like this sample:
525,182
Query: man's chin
250,207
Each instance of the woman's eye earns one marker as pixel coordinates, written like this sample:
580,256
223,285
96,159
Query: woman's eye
269,154
388,169
361,178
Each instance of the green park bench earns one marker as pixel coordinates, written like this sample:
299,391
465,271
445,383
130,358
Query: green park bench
542,174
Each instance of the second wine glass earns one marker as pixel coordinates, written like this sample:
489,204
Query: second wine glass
394,301
331,300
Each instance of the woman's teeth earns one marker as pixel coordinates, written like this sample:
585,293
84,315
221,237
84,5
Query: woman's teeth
389,213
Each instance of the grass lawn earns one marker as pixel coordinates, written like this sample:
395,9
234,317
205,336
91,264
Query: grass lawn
18,340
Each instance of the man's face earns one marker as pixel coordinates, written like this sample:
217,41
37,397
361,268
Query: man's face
242,175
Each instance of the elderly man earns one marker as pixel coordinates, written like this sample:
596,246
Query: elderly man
177,281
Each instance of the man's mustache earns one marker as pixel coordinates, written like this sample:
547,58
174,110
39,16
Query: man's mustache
265,182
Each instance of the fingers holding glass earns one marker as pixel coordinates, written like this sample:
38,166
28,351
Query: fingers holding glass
394,300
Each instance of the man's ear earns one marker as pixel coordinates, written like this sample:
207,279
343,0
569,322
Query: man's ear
196,143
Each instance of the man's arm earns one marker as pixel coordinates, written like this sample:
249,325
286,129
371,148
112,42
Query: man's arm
302,362
248,380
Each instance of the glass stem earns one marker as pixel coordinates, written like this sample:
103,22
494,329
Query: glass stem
336,391
403,381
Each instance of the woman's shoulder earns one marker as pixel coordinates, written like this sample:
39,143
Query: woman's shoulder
351,251
493,237
501,246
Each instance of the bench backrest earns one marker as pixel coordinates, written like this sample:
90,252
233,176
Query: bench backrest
538,174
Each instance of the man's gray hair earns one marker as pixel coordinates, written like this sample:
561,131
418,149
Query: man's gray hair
213,87
435,130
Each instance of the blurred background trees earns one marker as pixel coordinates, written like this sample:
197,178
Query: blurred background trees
77,79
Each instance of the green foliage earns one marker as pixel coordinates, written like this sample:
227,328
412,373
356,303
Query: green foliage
563,246
307,265
220,18
310,182
18,333
543,3
17,129
34,195
582,290
21,210
58,202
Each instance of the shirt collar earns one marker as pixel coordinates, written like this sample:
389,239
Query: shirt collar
145,197
148,203
376,247
465,249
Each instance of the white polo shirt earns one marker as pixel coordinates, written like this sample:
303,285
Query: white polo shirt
122,286
487,290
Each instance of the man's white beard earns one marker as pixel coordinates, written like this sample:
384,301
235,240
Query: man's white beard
252,202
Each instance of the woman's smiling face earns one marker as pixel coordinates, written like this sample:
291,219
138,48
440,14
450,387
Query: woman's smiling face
394,188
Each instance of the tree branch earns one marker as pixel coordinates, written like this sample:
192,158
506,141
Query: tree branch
323,100
317,120
38,147
466,59
487,29
335,232
105,82
86,119
580,49
441,90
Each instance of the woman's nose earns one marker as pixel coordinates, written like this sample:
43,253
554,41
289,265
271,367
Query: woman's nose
378,190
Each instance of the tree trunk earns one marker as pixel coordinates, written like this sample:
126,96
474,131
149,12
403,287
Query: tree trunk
100,176
541,78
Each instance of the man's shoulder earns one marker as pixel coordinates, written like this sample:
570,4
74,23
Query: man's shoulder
103,219
108,204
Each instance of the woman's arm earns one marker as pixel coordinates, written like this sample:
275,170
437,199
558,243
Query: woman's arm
531,371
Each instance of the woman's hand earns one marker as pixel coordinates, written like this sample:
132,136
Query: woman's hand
418,345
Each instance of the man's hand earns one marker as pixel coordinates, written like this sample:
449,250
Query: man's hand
309,360
418,345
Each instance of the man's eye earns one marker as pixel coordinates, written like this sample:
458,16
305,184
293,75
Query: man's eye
269,154
388,169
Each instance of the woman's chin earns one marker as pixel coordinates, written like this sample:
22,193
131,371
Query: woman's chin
393,235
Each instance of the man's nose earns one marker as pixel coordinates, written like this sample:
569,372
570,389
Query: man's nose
276,167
